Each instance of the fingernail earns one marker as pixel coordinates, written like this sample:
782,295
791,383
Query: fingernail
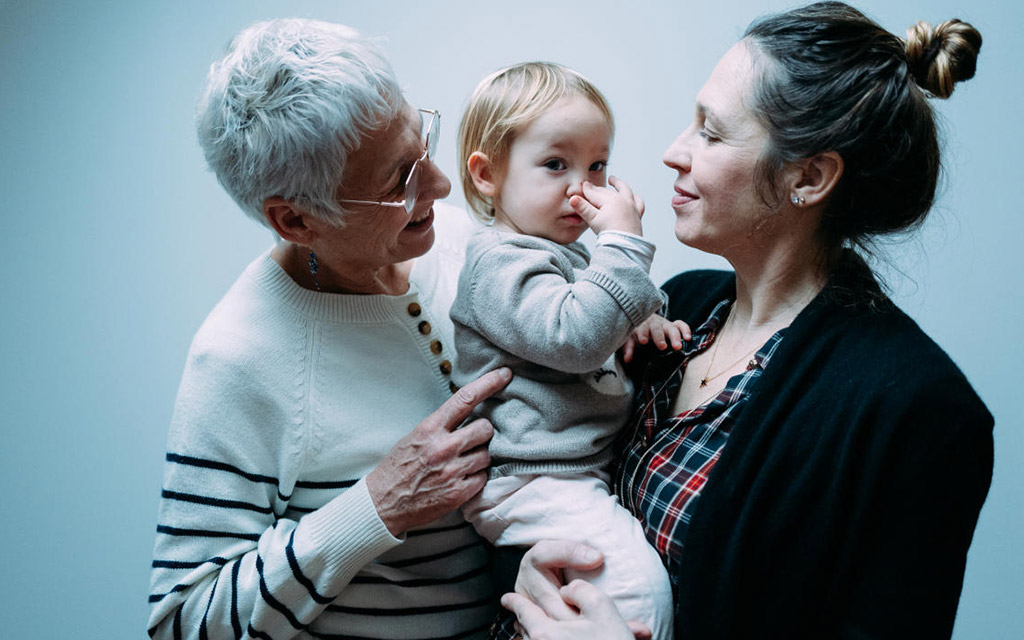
505,373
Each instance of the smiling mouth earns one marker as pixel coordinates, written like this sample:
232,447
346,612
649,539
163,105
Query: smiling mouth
421,220
683,196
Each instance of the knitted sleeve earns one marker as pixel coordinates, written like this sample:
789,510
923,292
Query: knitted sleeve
228,560
524,302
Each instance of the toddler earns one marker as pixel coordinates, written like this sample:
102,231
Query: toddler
534,145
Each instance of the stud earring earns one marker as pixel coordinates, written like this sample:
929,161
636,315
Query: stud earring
797,200
314,266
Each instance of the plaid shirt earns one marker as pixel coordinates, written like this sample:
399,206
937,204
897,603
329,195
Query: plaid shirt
668,459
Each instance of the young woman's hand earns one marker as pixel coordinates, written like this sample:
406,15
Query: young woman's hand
593,616
613,208
659,330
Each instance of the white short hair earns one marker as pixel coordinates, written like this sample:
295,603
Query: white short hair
285,107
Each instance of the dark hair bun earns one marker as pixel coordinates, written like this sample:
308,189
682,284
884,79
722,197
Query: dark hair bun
941,57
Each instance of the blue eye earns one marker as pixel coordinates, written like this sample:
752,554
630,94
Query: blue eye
555,164
600,165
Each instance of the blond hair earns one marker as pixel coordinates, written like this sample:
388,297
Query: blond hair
503,104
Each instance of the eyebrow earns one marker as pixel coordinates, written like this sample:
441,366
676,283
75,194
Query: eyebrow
709,114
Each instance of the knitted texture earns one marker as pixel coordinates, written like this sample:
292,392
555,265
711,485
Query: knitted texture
289,398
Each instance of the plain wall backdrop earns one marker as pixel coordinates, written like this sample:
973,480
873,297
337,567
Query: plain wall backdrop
119,241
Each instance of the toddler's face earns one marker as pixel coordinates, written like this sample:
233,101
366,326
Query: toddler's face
547,163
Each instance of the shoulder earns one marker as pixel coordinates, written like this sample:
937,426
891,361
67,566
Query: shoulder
884,356
492,249
249,333
693,294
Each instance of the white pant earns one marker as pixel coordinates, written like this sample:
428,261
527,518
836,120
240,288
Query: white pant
522,510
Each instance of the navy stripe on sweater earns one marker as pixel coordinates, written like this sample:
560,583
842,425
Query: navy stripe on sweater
422,582
258,634
203,533
340,484
236,623
272,601
177,623
425,532
230,468
157,597
293,562
202,625
181,564
396,564
409,611
457,636
214,502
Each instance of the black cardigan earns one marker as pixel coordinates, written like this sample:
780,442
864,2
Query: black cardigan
846,497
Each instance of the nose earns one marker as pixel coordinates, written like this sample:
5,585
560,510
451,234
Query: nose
436,185
677,156
575,188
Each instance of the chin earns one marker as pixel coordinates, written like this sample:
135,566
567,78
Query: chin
421,246
694,239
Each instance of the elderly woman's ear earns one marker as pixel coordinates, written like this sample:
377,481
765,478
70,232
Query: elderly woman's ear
290,221
815,178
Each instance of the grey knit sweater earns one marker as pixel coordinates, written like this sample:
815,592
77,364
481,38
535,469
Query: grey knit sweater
555,316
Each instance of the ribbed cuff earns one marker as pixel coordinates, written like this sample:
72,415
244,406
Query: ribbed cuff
637,248
347,533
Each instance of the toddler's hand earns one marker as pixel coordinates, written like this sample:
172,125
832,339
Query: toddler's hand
659,330
614,208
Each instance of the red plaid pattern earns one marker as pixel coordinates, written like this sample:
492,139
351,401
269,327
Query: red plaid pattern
668,459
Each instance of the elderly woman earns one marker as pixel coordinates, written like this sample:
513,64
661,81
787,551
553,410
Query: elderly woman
811,464
301,497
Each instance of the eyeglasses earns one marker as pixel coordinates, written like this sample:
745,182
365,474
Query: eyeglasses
430,130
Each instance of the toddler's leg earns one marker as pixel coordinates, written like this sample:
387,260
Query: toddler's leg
581,508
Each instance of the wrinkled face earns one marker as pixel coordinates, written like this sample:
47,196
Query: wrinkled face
375,236
715,202
547,163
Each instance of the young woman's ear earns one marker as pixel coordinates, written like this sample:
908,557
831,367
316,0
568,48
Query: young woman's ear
292,223
482,172
816,178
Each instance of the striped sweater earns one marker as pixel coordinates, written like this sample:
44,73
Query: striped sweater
289,398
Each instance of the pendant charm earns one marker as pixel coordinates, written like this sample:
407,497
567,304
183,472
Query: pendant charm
314,267
704,383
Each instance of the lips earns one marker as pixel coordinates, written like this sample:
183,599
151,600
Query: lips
422,221
683,196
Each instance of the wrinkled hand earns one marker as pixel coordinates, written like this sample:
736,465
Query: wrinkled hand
659,330
614,208
438,466
595,616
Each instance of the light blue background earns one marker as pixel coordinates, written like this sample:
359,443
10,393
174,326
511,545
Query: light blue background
118,242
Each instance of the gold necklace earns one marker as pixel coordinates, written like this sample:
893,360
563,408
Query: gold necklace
705,379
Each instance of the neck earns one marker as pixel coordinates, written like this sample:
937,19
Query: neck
391,279
773,286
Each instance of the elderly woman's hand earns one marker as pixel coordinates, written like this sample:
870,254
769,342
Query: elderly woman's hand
438,466
596,617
